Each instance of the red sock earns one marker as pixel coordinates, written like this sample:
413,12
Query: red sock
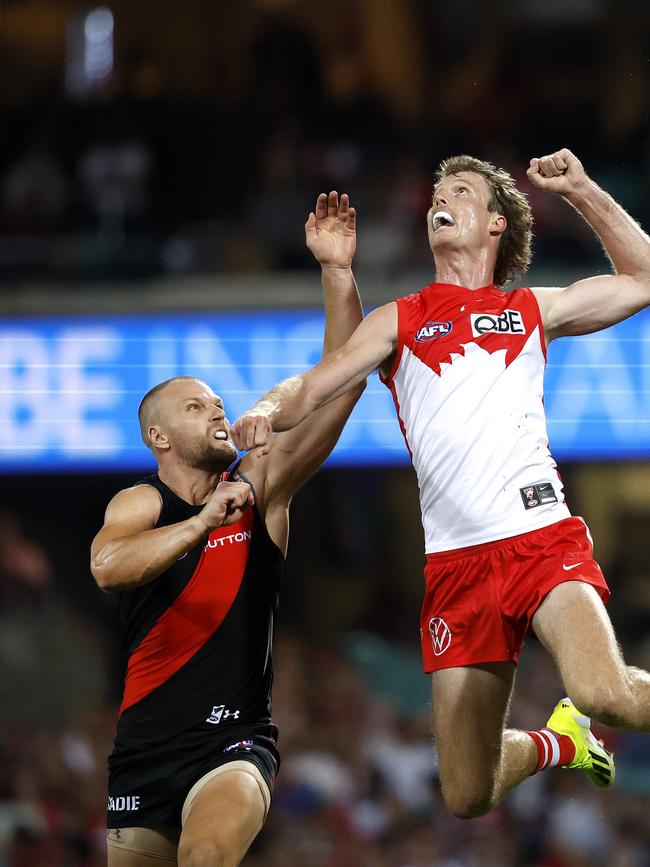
552,749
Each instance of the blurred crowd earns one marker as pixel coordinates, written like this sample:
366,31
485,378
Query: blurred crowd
146,175
358,784
141,179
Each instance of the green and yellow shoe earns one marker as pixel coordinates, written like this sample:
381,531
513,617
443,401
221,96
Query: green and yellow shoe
591,755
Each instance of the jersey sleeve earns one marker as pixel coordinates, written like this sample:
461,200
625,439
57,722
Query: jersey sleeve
529,301
409,313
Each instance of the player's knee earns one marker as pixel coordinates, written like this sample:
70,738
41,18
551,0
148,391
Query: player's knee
202,853
468,808
607,704
468,804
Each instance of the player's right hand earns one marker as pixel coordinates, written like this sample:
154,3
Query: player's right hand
226,505
330,231
560,172
252,431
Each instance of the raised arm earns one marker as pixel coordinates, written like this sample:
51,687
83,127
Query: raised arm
331,236
286,405
597,302
130,550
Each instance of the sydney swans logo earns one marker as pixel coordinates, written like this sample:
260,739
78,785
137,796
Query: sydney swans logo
440,635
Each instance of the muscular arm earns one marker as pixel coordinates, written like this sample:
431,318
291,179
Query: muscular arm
302,448
286,405
299,452
130,550
598,302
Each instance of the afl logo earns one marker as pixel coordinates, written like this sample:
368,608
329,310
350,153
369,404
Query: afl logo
440,635
432,331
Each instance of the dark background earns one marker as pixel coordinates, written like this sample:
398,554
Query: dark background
181,165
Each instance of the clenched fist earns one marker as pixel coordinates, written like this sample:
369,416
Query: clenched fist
560,172
252,432
226,505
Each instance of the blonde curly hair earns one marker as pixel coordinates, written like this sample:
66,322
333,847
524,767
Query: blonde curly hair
515,248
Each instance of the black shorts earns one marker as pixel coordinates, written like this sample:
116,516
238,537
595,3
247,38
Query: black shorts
149,787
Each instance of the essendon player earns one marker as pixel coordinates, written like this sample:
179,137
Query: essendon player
465,361
195,554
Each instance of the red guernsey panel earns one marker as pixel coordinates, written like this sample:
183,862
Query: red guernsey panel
517,313
192,618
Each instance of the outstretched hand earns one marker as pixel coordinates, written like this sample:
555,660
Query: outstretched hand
560,172
330,231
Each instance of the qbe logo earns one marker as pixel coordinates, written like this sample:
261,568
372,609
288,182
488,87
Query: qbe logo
440,635
433,330
508,322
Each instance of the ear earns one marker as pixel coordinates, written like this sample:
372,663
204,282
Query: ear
498,224
157,438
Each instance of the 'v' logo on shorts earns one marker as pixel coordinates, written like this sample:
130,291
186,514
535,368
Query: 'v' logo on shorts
440,635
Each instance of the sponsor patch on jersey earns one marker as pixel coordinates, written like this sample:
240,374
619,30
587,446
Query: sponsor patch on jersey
240,745
433,330
540,494
508,322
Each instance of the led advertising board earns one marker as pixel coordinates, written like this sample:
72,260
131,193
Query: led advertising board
70,387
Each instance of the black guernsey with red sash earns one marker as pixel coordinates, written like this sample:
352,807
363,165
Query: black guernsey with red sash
197,643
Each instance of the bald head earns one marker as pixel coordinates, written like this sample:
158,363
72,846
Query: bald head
184,423
153,405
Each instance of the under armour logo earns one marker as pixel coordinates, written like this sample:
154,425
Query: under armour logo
440,635
219,712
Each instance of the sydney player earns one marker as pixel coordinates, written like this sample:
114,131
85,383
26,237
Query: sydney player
196,554
464,361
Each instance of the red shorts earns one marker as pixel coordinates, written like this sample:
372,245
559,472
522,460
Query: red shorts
479,601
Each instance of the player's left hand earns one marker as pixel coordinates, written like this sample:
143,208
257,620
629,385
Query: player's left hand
560,172
330,230
253,433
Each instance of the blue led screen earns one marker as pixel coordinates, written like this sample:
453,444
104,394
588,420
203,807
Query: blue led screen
70,387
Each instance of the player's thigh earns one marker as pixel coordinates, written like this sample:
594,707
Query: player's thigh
469,707
142,847
573,625
224,818
122,858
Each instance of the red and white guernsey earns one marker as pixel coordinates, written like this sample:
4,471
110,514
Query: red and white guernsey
467,382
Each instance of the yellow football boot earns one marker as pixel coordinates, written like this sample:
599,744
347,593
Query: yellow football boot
591,755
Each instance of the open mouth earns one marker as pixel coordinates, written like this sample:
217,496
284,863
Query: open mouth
221,435
442,219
